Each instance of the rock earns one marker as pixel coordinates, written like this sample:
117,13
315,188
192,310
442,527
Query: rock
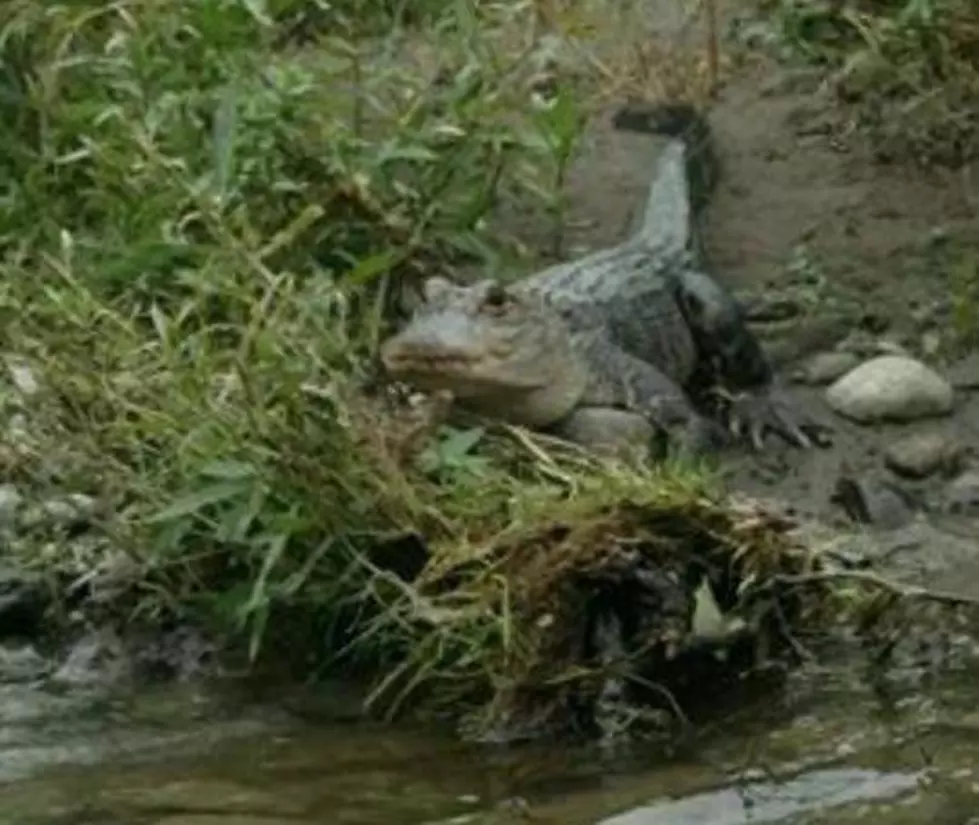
66,511
21,664
22,377
179,655
97,658
874,501
923,454
10,501
826,367
962,495
891,388
19,434
964,374
931,343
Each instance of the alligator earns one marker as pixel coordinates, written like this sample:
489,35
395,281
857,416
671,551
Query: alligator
618,347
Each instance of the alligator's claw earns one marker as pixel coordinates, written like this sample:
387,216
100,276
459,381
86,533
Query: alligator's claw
754,414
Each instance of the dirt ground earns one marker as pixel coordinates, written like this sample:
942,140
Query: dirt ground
800,209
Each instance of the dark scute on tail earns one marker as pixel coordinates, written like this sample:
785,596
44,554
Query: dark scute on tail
683,121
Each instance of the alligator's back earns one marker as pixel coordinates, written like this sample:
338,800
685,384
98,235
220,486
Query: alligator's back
648,323
631,289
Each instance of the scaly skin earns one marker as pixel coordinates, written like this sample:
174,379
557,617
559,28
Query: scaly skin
605,349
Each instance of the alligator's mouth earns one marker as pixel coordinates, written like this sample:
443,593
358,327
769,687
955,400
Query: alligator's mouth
464,373
415,362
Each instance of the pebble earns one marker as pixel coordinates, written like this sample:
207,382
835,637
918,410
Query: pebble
873,501
826,367
964,374
10,502
96,658
75,508
21,664
23,377
962,494
891,388
923,454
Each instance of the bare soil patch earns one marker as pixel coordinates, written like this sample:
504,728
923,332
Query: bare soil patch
803,214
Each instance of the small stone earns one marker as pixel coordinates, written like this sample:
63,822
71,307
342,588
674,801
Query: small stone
19,434
922,454
931,343
891,388
826,367
23,377
21,664
962,494
873,501
10,501
964,374
98,657
72,509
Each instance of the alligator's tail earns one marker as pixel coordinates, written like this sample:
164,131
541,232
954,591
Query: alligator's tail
686,170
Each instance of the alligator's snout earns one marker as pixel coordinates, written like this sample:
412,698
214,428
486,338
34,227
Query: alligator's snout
399,357
432,346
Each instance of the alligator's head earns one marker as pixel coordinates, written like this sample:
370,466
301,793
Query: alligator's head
499,352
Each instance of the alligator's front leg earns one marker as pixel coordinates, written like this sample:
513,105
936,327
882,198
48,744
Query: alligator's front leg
625,394
756,405
623,433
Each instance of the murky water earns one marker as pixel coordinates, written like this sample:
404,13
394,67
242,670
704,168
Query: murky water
828,748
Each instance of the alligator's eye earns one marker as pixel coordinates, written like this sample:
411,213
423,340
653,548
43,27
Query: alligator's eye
496,296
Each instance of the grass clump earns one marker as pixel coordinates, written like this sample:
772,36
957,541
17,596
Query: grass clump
200,238
910,67
205,228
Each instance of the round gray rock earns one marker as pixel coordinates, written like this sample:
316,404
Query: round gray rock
923,454
826,367
891,388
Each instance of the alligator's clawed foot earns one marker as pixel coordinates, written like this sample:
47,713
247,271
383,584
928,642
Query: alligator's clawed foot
753,415
699,438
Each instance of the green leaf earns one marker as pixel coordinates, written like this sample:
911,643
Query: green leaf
274,548
259,621
417,154
194,502
238,520
258,10
370,268
460,442
225,122
229,470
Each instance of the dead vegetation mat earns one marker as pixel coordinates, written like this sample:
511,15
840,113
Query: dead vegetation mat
494,615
